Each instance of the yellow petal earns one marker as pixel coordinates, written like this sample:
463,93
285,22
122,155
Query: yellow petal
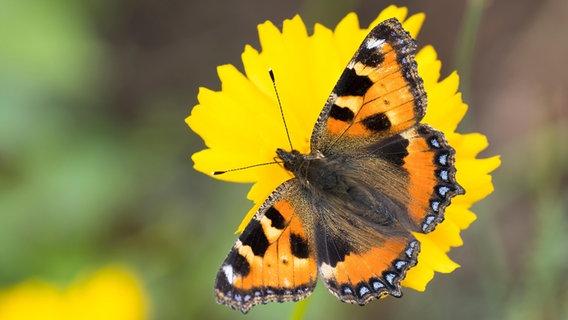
433,256
473,175
445,107
414,23
471,144
428,66
446,235
391,12
112,293
417,278
461,217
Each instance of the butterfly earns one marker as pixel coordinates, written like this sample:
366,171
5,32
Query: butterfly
374,176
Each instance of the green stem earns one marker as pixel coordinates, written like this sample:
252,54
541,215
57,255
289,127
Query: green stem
465,47
300,309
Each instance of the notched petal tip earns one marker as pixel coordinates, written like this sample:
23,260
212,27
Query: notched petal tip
294,27
414,24
391,11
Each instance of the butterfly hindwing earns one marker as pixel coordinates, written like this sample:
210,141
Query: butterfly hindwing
273,259
363,248
426,174
371,273
379,94
431,176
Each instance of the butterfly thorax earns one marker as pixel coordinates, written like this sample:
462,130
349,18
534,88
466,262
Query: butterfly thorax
313,170
301,164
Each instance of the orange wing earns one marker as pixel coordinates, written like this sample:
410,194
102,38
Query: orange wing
431,176
425,163
357,274
379,94
273,259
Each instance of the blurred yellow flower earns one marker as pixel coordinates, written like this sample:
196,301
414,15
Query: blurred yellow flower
241,124
113,292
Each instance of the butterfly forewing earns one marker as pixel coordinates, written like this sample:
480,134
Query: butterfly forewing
379,94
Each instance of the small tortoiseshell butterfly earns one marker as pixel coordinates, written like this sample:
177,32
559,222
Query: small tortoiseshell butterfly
374,176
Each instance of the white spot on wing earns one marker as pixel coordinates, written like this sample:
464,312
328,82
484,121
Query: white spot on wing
435,143
374,43
378,285
435,206
443,159
390,278
326,270
229,274
400,264
443,190
444,175
363,291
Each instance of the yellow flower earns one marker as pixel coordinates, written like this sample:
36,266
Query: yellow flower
241,124
113,292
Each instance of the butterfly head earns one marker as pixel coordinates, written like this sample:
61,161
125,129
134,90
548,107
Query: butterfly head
297,162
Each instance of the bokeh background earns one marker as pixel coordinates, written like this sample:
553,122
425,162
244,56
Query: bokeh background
94,153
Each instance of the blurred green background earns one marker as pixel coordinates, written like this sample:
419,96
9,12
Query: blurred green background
94,153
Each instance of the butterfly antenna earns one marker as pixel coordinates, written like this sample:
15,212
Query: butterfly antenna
280,106
216,173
